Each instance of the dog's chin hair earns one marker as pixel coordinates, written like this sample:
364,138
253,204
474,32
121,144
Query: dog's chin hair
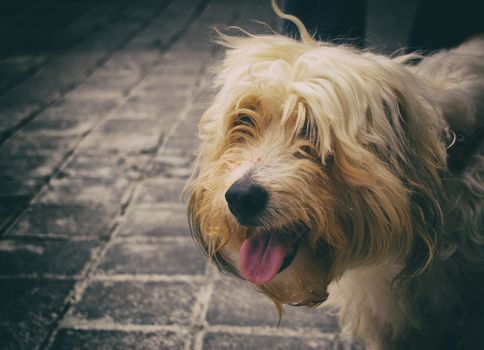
351,145
296,285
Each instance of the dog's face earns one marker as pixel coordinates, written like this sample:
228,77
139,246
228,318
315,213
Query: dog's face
314,160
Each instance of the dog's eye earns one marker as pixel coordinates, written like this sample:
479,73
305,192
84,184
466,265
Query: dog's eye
242,129
244,120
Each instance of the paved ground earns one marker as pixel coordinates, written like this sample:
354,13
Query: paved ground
99,102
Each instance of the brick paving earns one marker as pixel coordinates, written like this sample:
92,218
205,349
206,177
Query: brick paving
99,102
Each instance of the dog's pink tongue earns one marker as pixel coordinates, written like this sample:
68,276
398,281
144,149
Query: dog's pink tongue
261,258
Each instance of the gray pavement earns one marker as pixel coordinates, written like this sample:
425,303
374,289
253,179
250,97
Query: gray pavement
99,103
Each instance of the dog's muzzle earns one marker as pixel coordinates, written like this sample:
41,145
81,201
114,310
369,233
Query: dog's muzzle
246,201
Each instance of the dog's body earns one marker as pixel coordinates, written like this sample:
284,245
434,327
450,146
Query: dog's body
324,169
442,308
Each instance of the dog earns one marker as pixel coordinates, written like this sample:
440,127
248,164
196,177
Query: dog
329,174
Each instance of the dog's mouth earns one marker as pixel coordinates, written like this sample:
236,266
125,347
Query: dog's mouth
264,255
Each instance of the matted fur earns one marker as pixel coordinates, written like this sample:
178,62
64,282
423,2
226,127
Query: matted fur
350,146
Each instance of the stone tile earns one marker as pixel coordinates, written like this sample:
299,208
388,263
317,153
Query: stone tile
98,339
19,188
48,85
15,108
24,143
60,126
185,143
64,220
14,198
95,19
27,310
126,66
118,74
85,191
172,166
224,341
156,303
170,258
103,166
43,257
90,91
125,135
6,125
256,310
14,166
187,129
161,190
9,211
17,67
76,64
162,76
160,220
179,152
164,88
164,27
190,64
139,107
69,108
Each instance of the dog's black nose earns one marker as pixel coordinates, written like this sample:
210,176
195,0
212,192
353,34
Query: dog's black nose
246,200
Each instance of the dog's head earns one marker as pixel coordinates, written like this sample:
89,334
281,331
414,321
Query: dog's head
315,159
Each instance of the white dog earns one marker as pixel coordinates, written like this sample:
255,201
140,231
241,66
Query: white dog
323,177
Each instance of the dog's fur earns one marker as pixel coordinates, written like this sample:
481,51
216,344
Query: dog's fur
351,147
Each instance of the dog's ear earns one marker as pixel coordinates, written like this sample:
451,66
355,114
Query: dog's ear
374,206
425,153
388,158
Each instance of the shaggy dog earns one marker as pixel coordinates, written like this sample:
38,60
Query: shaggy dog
323,177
